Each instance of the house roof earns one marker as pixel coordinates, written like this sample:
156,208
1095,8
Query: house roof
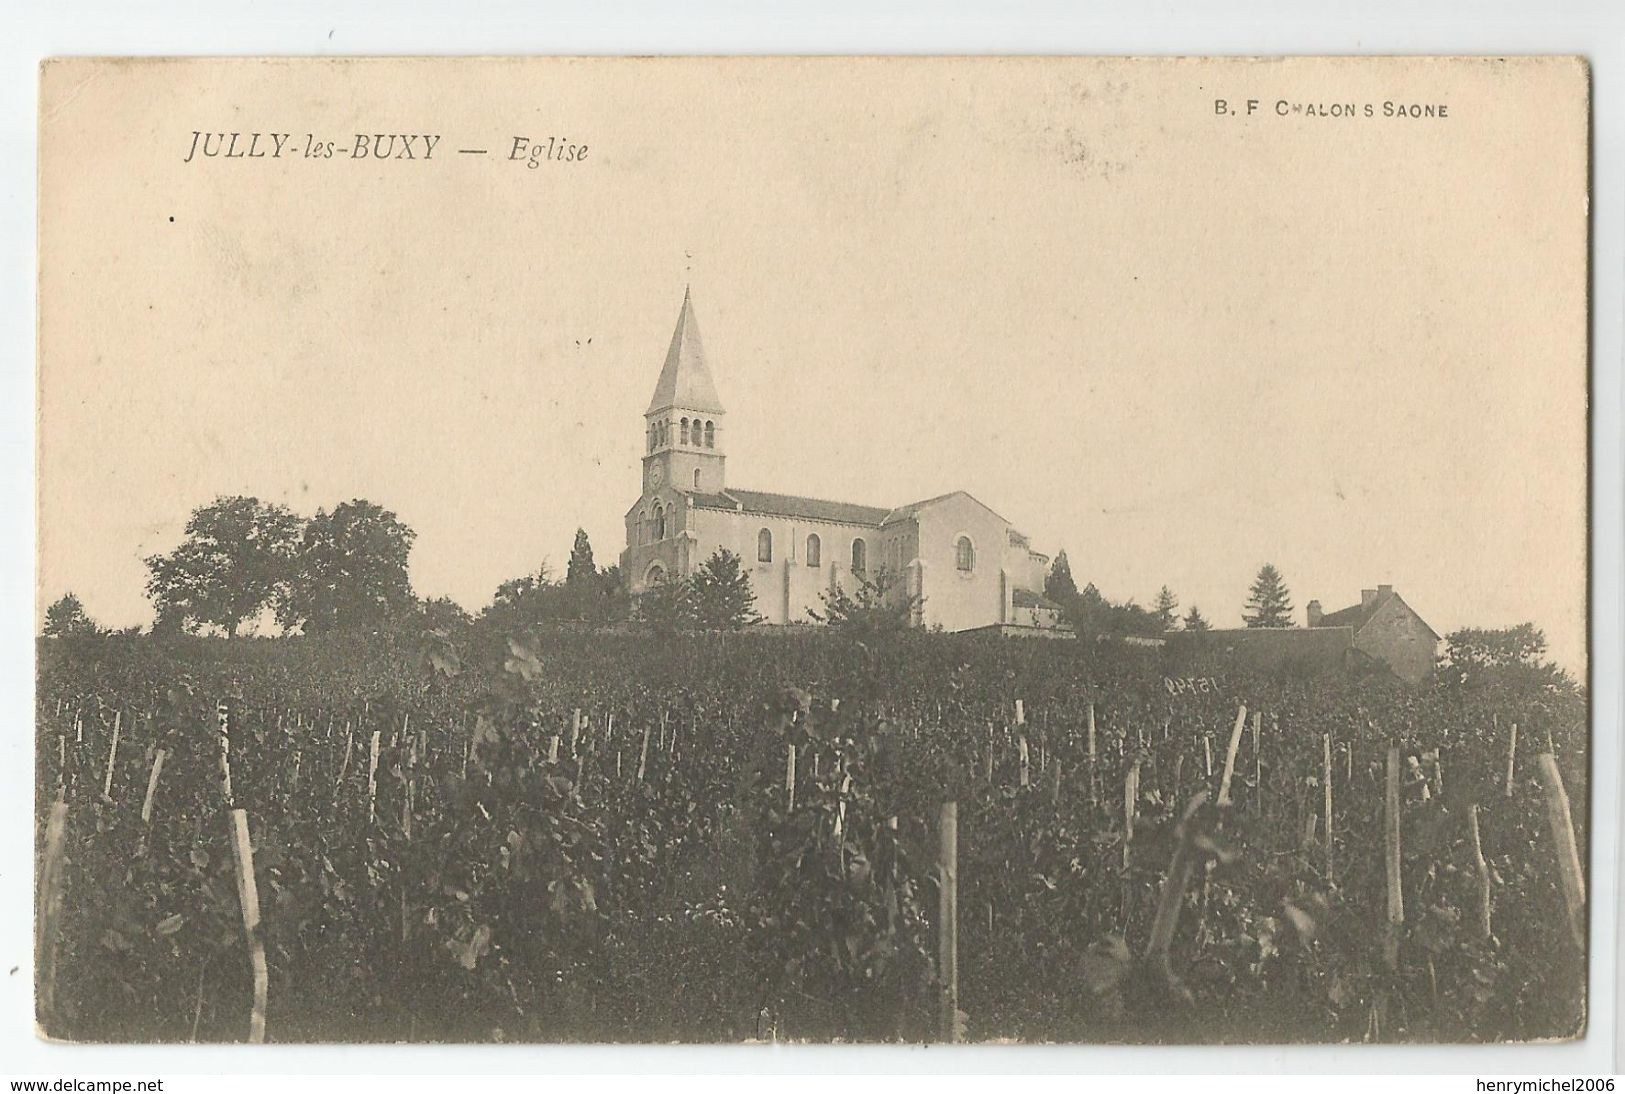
685,379
789,505
1358,615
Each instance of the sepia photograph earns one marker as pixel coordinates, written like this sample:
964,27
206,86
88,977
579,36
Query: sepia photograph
861,550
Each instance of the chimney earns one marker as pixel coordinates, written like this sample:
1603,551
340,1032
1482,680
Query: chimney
1314,613
1367,597
1384,591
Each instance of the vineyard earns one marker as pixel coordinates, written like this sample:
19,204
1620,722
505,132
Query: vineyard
590,837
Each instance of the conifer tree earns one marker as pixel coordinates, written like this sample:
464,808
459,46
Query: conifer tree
1165,606
1270,604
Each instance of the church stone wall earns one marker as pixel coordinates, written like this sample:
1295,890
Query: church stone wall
955,600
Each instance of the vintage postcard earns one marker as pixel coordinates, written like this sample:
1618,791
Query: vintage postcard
1112,569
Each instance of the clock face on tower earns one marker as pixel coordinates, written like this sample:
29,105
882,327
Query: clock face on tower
655,474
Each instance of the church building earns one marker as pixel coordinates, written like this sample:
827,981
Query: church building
968,567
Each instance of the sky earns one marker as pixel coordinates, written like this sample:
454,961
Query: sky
1175,342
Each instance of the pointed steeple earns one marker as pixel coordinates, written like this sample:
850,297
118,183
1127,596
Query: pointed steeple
685,381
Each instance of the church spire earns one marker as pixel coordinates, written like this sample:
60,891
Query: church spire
685,380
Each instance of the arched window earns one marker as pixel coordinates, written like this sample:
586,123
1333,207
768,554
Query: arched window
643,527
651,438
696,478
814,551
710,434
684,433
660,522
764,546
655,576
965,554
860,556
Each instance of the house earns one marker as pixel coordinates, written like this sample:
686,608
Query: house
969,567
1385,628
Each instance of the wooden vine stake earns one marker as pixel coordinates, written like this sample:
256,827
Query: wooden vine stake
248,897
643,754
1230,756
1326,797
1482,869
152,786
1512,757
112,755
1022,744
789,776
1093,795
372,779
948,918
47,913
1568,854
1396,896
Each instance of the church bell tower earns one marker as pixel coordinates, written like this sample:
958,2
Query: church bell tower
683,425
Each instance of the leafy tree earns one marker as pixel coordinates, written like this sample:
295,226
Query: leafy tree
1270,604
528,601
350,570
234,562
667,607
442,613
1058,583
1165,607
721,593
1091,613
875,607
67,619
1195,620
1476,647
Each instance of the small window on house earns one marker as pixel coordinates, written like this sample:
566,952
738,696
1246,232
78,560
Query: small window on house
696,478
764,546
860,552
814,551
710,434
684,434
965,555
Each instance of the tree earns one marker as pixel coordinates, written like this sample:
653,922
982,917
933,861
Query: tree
350,570
1058,583
1194,620
234,562
1270,604
1164,608
442,613
527,601
666,607
721,594
876,607
1476,647
580,571
67,619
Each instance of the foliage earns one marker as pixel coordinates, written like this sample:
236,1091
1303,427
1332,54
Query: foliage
720,593
1195,620
235,562
667,607
67,618
1165,608
1091,613
589,836
1473,648
1269,604
1058,583
350,570
878,605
